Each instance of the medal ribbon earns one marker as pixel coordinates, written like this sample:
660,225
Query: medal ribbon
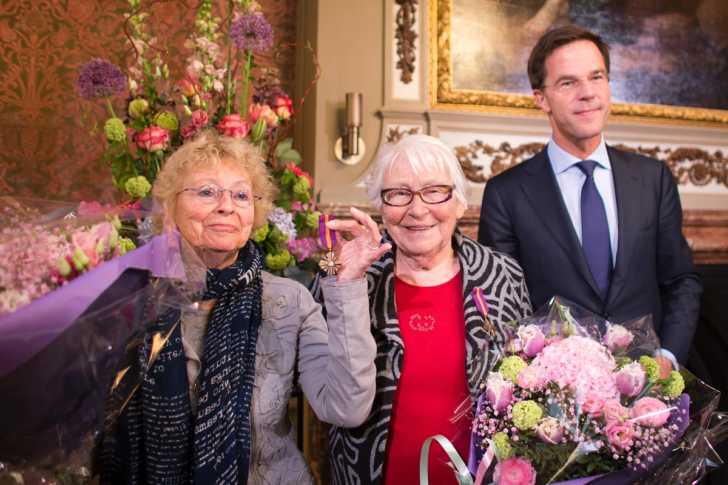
327,237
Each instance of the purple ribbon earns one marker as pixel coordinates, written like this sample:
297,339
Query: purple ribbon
31,328
327,237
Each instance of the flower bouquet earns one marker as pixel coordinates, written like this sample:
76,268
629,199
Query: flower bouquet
221,88
579,400
74,294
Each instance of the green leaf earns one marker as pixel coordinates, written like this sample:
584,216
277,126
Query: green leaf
283,147
290,155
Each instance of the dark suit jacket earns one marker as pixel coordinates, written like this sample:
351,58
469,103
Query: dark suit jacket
523,214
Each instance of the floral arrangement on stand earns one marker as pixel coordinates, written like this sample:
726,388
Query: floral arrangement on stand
36,258
218,90
568,403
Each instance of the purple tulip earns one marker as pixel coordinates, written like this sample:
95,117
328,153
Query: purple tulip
498,391
630,379
532,338
550,431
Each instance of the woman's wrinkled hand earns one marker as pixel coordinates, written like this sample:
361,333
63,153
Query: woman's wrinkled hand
364,248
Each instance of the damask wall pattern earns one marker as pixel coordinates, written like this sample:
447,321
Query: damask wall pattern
50,144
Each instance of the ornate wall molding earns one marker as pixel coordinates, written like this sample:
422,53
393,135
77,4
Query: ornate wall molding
688,165
397,132
406,38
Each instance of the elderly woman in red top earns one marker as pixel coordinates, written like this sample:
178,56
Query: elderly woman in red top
434,346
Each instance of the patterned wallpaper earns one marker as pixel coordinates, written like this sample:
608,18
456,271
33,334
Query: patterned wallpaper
49,146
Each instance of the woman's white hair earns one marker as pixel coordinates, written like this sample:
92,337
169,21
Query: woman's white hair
424,154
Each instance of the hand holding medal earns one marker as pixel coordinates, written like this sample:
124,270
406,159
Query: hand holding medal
349,259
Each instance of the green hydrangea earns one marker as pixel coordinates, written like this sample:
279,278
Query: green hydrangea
125,245
138,187
674,385
301,189
511,366
138,107
651,367
278,262
115,130
526,414
261,233
503,448
312,219
276,236
166,120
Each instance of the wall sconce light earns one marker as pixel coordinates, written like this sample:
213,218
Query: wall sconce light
349,148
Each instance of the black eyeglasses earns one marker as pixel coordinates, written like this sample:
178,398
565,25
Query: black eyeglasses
211,194
433,194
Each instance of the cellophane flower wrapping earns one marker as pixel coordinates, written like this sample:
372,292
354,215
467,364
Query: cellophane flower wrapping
63,344
579,398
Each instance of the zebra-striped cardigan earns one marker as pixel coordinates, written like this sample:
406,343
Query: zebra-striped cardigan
357,454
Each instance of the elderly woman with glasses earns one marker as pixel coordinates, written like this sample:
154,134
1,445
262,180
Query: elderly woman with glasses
212,407
438,304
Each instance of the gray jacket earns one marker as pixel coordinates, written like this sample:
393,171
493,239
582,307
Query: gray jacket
335,365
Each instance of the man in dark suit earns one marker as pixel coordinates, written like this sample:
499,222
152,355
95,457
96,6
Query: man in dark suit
595,225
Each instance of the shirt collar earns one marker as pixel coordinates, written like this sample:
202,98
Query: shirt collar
561,160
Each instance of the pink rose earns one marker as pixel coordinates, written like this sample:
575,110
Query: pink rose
532,339
618,338
233,126
498,391
614,411
651,412
550,430
630,379
514,471
530,378
620,435
200,118
283,107
153,138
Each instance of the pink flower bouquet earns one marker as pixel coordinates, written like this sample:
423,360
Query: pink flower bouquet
582,399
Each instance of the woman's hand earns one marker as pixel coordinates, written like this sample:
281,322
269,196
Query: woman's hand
357,254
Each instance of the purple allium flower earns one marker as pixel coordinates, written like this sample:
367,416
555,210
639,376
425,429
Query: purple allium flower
252,32
99,78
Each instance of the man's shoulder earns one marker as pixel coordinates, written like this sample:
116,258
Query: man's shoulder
516,173
620,154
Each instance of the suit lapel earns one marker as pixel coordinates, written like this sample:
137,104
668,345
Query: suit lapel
628,192
542,192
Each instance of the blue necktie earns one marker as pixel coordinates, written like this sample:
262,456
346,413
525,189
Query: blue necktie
595,230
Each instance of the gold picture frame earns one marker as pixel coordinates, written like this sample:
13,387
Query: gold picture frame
443,94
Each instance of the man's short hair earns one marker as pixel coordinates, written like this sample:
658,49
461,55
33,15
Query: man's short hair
552,40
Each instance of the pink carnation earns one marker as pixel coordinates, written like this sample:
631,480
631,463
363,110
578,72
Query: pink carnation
153,138
233,126
200,118
651,412
514,471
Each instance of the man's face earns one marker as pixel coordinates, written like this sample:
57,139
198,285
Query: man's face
576,96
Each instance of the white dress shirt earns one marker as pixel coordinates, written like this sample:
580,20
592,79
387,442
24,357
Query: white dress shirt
570,179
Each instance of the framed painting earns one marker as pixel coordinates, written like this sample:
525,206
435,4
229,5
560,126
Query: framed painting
669,59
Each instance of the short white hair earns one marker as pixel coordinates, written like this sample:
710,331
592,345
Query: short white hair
424,154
